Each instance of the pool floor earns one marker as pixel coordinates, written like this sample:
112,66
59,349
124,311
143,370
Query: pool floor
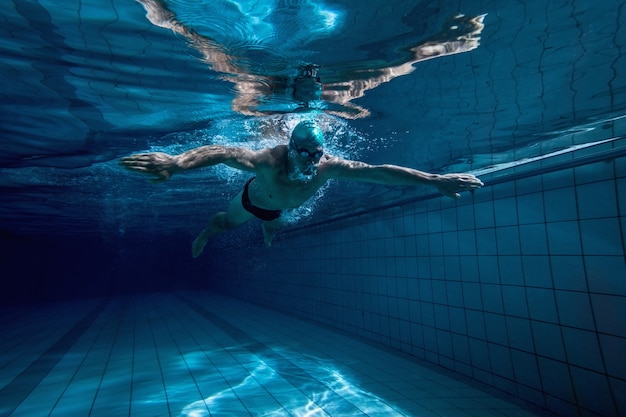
201,354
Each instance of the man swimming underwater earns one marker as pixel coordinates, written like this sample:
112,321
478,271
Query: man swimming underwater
285,176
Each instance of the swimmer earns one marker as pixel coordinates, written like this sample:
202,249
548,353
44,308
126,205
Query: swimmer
284,177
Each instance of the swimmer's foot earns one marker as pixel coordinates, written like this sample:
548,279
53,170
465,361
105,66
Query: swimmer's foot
198,245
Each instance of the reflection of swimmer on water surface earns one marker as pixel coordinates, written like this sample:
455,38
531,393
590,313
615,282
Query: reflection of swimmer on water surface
285,177
330,88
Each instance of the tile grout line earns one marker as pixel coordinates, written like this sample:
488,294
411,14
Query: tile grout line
14,393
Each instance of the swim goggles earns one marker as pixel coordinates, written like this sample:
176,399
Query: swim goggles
305,152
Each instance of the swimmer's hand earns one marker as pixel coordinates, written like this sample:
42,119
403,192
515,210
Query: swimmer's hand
159,164
451,184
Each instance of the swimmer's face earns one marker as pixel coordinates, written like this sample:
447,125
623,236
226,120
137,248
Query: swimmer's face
304,161
305,151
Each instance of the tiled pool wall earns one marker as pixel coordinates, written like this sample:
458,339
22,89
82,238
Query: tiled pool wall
521,285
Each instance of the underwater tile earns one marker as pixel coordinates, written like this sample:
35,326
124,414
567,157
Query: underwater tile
593,390
583,349
601,237
606,308
533,239
560,204
530,208
594,172
520,334
556,379
575,309
606,274
563,238
597,200
541,304
568,273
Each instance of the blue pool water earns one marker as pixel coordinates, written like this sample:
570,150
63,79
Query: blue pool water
520,285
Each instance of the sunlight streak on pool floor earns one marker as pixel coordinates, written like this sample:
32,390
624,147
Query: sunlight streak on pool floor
190,354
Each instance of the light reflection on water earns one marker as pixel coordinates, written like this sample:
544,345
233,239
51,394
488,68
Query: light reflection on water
284,84
319,387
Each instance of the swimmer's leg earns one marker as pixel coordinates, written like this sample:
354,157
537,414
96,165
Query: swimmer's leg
217,224
221,222
459,34
269,228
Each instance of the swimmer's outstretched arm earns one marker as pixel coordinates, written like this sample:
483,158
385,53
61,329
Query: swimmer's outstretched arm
448,184
163,165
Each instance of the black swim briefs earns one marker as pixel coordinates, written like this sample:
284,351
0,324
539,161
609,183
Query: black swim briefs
258,212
